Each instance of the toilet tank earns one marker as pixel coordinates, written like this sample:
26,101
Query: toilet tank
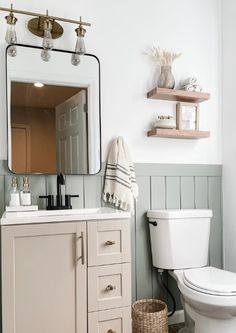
179,238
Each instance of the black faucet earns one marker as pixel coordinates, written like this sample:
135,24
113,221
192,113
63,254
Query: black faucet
59,198
60,181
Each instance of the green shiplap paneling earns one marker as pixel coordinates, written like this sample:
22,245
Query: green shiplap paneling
201,192
154,169
172,192
51,184
143,248
38,187
214,199
92,191
158,201
75,185
187,193
158,193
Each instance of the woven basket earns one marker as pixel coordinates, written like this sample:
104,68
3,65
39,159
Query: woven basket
149,316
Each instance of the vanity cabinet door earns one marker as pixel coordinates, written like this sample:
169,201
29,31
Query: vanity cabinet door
44,278
108,242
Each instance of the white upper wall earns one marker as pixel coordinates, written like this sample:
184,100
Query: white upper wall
120,34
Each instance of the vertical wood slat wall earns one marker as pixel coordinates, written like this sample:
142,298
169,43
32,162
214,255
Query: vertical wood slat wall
160,187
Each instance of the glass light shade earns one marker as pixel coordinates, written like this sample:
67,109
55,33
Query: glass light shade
11,34
80,45
75,59
12,51
45,55
47,40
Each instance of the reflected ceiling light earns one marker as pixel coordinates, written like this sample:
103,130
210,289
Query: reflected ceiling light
38,84
10,37
46,27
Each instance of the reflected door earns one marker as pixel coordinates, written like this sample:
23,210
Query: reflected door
71,127
20,148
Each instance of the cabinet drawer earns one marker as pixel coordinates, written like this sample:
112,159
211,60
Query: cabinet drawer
110,321
108,242
109,287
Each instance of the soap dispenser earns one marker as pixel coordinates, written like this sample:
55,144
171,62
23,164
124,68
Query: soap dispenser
25,193
14,194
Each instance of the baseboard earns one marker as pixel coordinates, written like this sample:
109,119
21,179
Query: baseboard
177,318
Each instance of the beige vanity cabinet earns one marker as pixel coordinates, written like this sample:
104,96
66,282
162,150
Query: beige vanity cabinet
66,277
44,279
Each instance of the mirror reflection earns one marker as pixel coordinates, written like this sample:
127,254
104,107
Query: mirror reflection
53,113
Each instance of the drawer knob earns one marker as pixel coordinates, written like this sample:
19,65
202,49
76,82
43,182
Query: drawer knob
109,242
111,331
110,287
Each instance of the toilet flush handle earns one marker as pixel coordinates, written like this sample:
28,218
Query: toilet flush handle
154,223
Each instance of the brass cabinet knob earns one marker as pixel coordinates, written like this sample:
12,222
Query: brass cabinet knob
110,242
111,331
110,287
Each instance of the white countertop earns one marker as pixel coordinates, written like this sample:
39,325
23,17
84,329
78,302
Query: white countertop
67,215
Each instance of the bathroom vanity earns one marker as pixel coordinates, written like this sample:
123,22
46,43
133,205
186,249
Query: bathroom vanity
66,271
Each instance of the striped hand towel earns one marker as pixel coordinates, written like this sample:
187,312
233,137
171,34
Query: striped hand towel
120,187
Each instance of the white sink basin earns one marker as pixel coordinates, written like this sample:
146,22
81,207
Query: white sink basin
46,216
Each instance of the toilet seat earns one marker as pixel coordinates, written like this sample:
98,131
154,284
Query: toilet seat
210,280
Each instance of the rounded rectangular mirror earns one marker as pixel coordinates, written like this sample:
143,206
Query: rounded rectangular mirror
53,107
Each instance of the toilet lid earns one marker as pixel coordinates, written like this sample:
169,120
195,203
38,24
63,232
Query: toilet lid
211,280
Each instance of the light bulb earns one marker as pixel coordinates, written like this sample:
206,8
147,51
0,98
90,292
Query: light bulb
45,55
47,40
11,34
75,59
12,51
47,37
80,45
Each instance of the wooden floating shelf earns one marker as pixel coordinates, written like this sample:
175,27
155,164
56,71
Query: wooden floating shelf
178,134
178,95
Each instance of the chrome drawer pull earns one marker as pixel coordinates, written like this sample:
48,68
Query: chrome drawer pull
111,331
110,242
110,287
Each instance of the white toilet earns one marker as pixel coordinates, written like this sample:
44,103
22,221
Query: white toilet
180,242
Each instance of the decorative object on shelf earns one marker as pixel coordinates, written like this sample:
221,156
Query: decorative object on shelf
165,122
190,84
46,27
187,116
165,60
166,78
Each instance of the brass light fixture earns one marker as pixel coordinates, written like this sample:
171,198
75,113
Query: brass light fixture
46,27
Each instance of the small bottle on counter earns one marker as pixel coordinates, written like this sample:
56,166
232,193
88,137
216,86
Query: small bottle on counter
25,193
14,194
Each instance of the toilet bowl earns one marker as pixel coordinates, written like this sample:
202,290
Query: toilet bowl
208,294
